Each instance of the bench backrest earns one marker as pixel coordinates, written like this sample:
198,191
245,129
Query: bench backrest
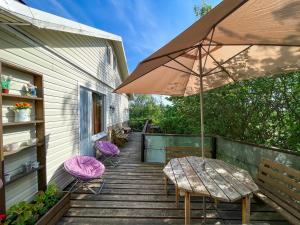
183,151
281,181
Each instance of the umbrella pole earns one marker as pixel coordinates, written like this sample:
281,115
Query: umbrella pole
201,103
202,124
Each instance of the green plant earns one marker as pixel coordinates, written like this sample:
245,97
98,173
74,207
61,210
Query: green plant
5,82
22,213
25,213
45,200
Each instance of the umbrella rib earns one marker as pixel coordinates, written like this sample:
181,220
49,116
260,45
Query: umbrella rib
192,71
124,84
209,72
222,67
184,49
187,72
210,41
212,73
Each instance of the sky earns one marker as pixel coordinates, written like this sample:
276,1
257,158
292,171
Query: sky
144,25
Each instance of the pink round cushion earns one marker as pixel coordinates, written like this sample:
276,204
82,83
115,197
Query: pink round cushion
107,148
84,167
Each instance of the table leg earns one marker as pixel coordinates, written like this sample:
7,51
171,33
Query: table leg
246,209
177,196
187,208
204,209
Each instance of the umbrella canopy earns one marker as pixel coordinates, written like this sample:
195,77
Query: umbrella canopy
237,40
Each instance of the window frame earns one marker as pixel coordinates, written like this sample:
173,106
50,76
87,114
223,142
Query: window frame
115,62
104,133
94,121
108,55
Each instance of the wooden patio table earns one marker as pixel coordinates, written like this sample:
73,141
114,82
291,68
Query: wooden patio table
212,178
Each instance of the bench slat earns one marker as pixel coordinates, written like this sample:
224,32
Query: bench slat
183,151
284,209
267,178
287,180
282,168
280,188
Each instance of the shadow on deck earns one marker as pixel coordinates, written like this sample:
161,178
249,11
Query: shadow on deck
134,195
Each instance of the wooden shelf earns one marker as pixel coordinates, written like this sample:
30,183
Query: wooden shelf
37,125
20,97
22,123
19,176
5,154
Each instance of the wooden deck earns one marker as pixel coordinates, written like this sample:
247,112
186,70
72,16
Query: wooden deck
134,195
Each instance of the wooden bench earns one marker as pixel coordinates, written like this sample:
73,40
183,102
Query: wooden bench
179,152
280,188
119,137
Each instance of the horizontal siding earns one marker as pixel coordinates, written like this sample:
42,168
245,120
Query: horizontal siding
23,188
61,82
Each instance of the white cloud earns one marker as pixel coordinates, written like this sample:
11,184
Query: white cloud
61,9
144,34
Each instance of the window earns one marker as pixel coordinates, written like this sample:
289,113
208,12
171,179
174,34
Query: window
97,113
108,55
114,62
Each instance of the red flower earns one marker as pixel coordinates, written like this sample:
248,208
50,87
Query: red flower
2,217
17,104
26,104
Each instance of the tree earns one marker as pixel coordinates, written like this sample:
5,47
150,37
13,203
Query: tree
142,108
202,10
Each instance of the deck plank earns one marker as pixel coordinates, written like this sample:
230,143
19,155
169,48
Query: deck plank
134,194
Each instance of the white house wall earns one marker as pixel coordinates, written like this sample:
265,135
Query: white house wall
61,83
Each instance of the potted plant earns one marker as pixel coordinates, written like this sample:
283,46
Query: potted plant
46,208
22,111
30,90
5,84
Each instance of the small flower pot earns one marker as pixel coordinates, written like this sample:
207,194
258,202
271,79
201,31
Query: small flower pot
35,165
7,177
32,141
22,115
27,167
5,91
12,146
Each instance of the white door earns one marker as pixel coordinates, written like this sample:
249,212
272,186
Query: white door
85,102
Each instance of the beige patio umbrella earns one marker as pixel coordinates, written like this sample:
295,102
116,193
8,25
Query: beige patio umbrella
237,40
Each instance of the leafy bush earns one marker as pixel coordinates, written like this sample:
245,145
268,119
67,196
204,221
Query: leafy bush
144,107
25,213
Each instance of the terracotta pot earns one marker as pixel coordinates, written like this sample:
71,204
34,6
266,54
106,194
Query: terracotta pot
5,91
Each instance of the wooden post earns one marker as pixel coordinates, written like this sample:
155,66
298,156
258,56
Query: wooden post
246,209
143,141
143,147
2,190
214,147
187,208
177,196
40,134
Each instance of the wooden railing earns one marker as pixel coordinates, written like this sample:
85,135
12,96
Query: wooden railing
225,147
143,141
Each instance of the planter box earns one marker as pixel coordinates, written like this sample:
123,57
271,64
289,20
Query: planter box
56,212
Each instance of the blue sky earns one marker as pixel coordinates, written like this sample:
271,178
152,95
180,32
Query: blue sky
144,25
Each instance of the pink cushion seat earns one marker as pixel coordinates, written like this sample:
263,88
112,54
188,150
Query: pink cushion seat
84,167
107,148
